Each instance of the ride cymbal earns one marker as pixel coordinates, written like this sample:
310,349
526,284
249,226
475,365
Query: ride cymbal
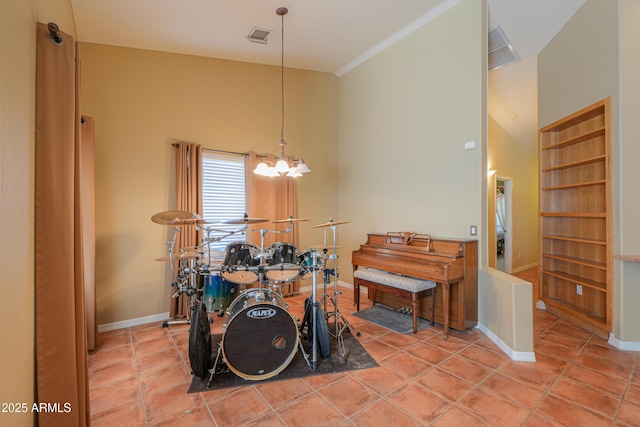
246,220
186,255
330,223
169,217
289,220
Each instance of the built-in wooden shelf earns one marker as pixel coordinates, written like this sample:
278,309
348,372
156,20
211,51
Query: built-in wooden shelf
575,217
575,164
575,239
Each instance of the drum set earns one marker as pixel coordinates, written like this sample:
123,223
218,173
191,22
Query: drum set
260,337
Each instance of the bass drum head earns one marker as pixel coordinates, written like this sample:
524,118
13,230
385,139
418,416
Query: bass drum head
260,341
200,342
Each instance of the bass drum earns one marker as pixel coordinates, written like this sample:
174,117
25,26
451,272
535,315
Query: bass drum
200,342
260,337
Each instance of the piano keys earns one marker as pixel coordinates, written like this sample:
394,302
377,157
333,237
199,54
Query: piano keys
451,263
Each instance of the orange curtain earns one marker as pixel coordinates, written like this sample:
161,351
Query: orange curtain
60,323
88,199
273,198
188,199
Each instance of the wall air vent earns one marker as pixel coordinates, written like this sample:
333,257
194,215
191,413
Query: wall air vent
259,35
501,52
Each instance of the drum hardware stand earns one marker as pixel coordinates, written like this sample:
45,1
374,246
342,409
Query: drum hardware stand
340,322
310,316
186,286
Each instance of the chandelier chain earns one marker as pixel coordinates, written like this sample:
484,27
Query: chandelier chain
282,76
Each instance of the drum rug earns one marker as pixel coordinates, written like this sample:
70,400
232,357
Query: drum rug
391,319
356,357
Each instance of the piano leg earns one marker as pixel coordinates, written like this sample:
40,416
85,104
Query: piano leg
445,309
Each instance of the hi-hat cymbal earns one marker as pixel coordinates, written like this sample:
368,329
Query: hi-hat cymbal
169,217
246,220
330,223
185,255
289,220
323,247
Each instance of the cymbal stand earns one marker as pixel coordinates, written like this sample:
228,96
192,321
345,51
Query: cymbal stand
172,244
185,282
340,322
310,316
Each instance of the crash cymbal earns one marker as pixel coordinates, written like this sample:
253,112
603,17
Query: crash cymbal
168,217
246,220
330,223
185,255
323,247
289,220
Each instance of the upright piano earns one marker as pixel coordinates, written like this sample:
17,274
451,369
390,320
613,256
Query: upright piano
451,263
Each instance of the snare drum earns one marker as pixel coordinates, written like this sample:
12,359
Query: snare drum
260,337
305,261
218,293
283,255
238,257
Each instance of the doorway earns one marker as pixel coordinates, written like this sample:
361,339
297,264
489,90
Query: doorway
504,223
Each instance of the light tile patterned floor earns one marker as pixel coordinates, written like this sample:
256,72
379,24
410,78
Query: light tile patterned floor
139,377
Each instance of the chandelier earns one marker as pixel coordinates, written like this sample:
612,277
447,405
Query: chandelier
282,167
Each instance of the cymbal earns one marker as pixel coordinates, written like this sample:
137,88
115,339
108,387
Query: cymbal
169,217
185,255
324,247
289,220
190,221
330,223
246,221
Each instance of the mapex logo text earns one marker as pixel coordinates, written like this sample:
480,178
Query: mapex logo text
261,313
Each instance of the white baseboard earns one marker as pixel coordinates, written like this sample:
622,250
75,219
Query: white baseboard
521,356
623,345
133,322
524,267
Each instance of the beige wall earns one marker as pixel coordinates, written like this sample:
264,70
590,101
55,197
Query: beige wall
509,159
143,101
405,115
629,174
593,57
17,121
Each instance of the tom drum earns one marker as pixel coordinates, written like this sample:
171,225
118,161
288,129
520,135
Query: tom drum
239,257
218,293
283,262
305,261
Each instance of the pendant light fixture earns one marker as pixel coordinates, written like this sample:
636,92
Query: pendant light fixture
282,167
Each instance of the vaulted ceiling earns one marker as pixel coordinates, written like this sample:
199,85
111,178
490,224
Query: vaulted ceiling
329,35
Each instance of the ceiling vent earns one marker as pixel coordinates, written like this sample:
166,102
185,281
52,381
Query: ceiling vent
259,35
501,51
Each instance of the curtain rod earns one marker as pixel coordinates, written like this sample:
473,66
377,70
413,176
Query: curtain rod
175,144
225,151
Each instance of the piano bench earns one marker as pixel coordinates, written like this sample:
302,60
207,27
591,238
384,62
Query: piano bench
410,287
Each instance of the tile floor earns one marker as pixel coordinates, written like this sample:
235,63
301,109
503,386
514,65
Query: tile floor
139,377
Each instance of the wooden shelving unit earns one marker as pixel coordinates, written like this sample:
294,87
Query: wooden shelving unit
575,273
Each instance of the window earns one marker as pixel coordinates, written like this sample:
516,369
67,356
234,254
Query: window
223,195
